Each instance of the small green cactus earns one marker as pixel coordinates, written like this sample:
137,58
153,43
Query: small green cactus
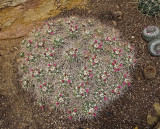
149,7
154,47
150,33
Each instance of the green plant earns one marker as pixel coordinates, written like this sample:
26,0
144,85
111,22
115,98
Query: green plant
150,33
154,47
149,7
55,68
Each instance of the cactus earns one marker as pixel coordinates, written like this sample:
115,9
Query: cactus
150,33
154,47
149,7
56,71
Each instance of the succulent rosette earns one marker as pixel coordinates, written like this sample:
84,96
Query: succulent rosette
81,91
46,88
102,78
53,69
62,100
72,54
95,61
86,74
65,80
100,95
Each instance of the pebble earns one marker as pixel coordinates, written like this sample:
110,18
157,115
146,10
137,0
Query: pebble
150,72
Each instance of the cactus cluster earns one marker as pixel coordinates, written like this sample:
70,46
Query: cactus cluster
74,66
149,7
151,34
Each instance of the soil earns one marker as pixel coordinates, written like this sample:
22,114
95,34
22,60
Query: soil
18,109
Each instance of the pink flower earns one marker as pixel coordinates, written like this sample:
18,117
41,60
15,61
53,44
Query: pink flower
27,59
85,67
96,41
125,75
94,114
96,108
105,98
90,75
99,47
37,45
75,110
51,54
70,117
44,84
119,87
114,50
31,69
47,48
30,41
114,38
101,44
94,63
120,50
124,83
60,95
32,75
112,63
57,103
82,84
49,65
63,81
55,64
115,61
85,51
69,81
87,90
129,84
42,107
43,40
74,55
40,86
107,39
120,65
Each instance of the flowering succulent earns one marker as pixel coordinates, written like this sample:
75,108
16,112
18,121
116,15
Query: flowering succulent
72,54
86,74
81,91
74,66
65,80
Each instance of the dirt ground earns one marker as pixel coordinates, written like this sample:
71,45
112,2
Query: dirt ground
17,108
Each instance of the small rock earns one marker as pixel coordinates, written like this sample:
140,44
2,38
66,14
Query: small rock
149,72
114,23
118,15
151,119
157,108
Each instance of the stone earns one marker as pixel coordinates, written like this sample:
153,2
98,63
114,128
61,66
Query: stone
5,3
118,15
151,119
157,108
150,72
